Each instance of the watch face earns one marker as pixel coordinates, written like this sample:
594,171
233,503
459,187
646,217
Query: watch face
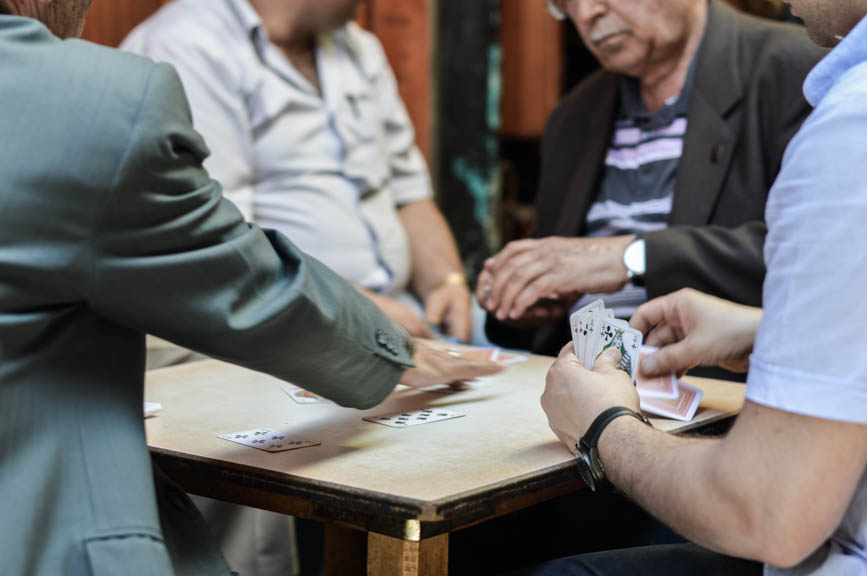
585,468
634,259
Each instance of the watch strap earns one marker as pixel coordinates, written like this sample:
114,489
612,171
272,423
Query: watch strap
588,443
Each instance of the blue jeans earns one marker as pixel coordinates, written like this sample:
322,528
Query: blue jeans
669,560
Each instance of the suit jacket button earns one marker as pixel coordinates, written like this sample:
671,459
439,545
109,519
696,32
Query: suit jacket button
715,153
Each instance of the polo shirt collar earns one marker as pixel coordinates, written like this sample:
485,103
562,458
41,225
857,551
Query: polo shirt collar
850,52
250,21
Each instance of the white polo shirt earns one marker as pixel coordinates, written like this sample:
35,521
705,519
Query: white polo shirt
327,170
810,355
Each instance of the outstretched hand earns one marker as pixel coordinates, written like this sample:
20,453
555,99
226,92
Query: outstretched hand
435,365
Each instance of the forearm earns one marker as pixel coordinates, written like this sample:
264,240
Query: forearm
725,262
680,481
749,494
433,249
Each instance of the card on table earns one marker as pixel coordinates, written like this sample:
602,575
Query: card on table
302,396
408,419
490,354
681,408
659,387
151,408
268,440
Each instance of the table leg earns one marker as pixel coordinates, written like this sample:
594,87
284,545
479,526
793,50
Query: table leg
387,556
345,551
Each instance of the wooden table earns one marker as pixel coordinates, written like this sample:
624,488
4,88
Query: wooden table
390,495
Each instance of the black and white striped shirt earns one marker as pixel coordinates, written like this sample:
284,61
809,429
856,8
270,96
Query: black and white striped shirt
637,186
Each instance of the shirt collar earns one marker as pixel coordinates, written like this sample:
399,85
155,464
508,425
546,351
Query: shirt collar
850,52
250,21
632,106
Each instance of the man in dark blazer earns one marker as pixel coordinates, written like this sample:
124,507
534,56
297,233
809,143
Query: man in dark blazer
111,229
741,77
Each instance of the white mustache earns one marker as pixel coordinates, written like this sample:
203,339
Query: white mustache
601,34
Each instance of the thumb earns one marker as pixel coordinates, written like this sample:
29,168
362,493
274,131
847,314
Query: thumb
666,360
609,360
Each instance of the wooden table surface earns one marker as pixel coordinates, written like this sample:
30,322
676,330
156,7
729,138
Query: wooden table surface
410,483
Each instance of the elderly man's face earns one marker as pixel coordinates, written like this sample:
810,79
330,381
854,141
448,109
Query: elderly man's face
628,35
826,20
65,18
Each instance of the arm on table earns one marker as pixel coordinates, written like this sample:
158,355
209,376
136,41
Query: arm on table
751,494
434,258
433,250
748,495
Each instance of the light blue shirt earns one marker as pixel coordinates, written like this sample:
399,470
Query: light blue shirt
328,169
810,355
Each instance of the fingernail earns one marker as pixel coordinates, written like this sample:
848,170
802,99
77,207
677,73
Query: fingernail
501,315
648,364
513,315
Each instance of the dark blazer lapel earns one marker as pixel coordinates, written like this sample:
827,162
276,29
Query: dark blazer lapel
594,135
709,140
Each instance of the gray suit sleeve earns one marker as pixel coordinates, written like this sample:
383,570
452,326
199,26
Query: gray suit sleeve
173,258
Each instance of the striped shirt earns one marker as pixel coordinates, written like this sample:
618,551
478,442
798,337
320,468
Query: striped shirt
637,187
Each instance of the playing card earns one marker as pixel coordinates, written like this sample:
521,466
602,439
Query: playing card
582,328
681,408
610,333
659,387
151,408
407,419
302,396
589,321
575,327
509,358
490,354
268,440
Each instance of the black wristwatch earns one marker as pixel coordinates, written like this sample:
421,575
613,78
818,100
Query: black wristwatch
589,465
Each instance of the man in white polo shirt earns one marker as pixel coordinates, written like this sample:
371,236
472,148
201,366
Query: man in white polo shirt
309,136
786,488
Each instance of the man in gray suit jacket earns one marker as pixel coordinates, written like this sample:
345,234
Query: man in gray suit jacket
656,168
110,229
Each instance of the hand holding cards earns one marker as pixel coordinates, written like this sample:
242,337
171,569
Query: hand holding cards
594,330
